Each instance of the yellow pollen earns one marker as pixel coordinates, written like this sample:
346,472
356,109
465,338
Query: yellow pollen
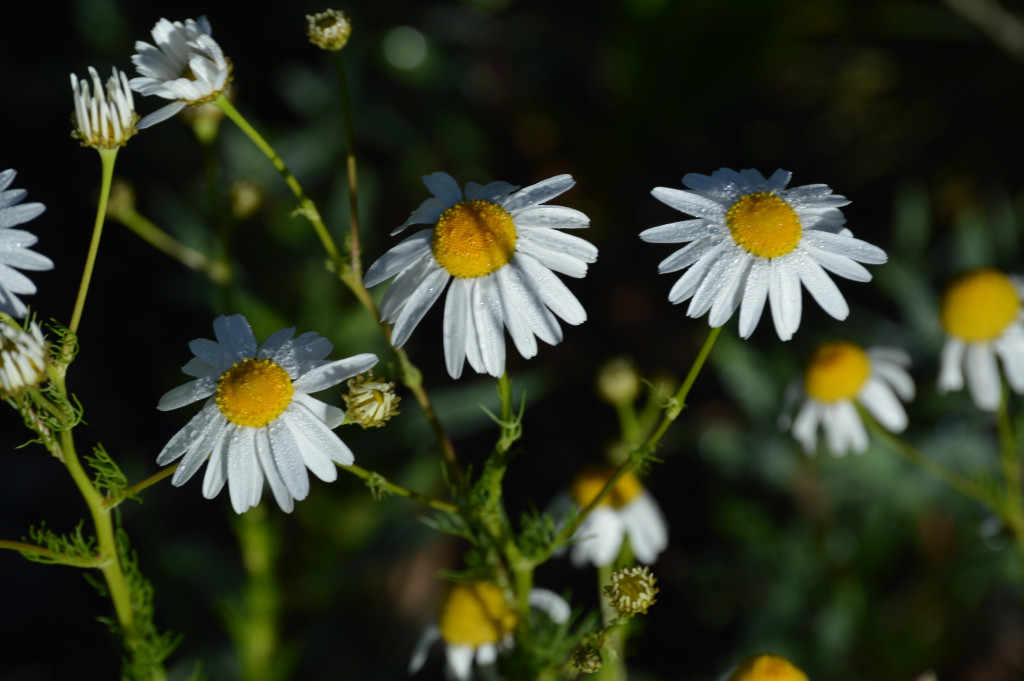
979,305
254,392
473,614
836,371
474,238
588,484
767,668
764,224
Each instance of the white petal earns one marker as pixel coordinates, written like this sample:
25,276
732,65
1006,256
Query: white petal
261,445
821,287
334,373
951,375
489,322
235,337
983,376
645,526
288,460
206,443
555,217
518,327
805,426
879,399
417,305
459,661
245,477
691,203
755,291
541,192
550,289
420,651
550,603
217,466
399,258
190,392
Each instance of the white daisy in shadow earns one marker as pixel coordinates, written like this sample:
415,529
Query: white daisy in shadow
500,248
185,65
476,622
840,375
984,319
628,511
259,420
752,239
14,247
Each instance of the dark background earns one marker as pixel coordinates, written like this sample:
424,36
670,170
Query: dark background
854,568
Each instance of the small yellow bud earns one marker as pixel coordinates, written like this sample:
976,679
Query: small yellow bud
586,659
370,403
328,30
632,590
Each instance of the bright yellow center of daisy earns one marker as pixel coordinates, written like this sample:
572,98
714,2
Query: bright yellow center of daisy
474,238
836,371
473,614
254,392
588,484
979,305
764,224
767,668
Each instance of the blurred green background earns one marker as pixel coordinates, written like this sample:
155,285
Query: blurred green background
855,568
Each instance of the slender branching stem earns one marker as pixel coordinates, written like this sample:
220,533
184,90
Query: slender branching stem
354,247
398,490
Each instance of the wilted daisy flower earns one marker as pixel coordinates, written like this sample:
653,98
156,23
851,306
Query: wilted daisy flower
501,247
186,65
23,356
626,511
328,30
841,373
753,239
103,120
476,622
14,243
982,314
370,403
767,668
259,420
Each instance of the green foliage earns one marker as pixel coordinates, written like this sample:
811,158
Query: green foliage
108,477
74,549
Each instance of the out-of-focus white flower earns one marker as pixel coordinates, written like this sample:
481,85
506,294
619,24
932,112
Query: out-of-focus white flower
103,119
23,357
186,65
14,247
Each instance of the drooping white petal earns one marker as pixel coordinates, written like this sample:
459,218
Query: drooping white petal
335,372
645,526
882,403
485,303
951,375
983,376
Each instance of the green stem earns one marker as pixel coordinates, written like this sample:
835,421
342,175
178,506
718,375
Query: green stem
398,490
43,552
255,626
107,158
355,250
129,492
613,667
1013,508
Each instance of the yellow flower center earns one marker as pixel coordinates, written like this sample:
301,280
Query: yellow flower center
632,590
474,238
473,614
588,484
254,392
836,371
767,668
764,224
979,305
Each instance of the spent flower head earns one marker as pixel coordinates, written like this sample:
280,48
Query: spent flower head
500,247
328,30
104,118
370,403
767,668
752,239
618,381
840,374
14,247
632,590
983,316
185,65
24,354
259,420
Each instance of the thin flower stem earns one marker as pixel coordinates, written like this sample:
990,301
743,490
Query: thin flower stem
354,248
129,492
107,158
306,205
1013,508
108,552
393,488
614,668
43,552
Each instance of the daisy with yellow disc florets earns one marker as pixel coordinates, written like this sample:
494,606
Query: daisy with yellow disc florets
499,247
476,622
984,319
752,239
840,374
259,420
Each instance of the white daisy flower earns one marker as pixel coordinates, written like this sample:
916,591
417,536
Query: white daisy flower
753,239
628,510
259,420
983,316
23,358
14,243
186,65
841,373
501,247
103,120
476,622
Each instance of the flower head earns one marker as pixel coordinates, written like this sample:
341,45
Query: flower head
259,419
839,374
753,239
626,511
476,622
23,358
370,403
186,65
983,318
632,590
328,30
500,247
103,120
14,247
767,668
